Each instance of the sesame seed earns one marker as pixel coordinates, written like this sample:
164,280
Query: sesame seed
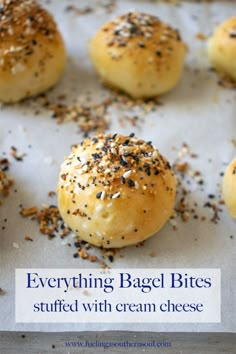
103,195
99,145
141,45
158,53
154,154
122,180
123,162
95,156
98,195
131,183
116,195
85,168
127,174
126,142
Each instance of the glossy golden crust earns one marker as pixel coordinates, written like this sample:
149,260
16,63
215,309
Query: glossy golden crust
229,188
138,54
222,49
32,52
116,190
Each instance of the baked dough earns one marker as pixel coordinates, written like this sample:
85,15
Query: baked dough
115,190
138,54
222,49
229,188
32,52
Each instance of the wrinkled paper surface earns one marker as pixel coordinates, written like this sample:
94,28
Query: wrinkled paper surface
198,111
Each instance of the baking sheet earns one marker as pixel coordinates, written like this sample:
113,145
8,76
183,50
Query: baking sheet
198,112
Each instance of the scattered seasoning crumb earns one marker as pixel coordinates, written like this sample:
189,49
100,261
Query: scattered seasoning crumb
227,82
93,258
201,36
95,116
25,212
48,218
51,224
82,253
15,245
28,238
181,167
6,181
110,254
15,154
153,254
79,11
89,116
106,5
124,102
111,258
189,181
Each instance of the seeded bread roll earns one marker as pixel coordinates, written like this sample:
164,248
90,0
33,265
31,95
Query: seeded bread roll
138,54
229,188
115,190
222,49
32,53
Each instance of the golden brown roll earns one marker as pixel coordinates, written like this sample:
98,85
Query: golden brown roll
32,52
115,190
222,49
229,188
138,54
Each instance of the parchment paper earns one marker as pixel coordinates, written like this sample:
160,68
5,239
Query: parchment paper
198,112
